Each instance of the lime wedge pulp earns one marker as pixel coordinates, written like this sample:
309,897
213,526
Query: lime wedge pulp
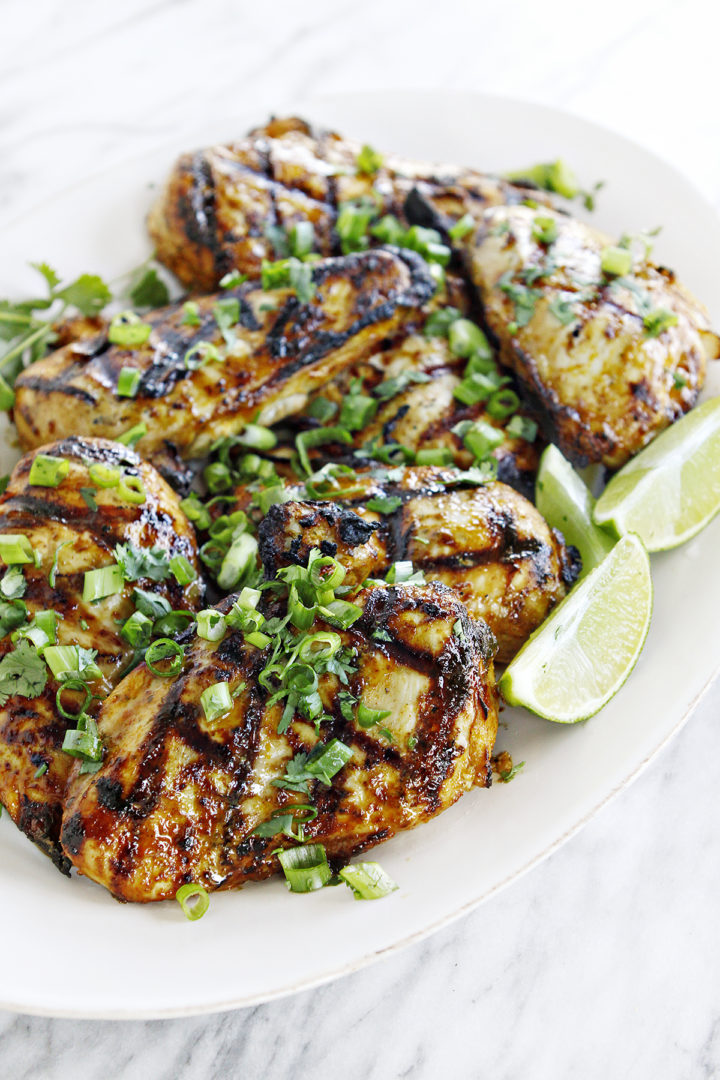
670,490
565,502
583,653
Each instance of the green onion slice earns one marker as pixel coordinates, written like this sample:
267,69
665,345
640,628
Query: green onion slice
133,435
368,881
306,868
216,701
128,382
48,471
73,685
105,581
306,440
200,354
194,900
128,330
182,570
132,490
211,625
165,649
15,548
105,476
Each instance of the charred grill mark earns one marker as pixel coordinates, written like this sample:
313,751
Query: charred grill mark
199,212
60,385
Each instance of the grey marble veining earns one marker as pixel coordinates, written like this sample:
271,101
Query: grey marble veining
604,962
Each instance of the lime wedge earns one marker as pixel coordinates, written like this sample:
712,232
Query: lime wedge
671,489
564,501
583,653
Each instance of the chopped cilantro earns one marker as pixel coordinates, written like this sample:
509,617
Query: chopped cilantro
22,672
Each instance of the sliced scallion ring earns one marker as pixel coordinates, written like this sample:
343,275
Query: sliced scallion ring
194,900
368,881
105,476
73,685
165,649
306,868
48,471
132,490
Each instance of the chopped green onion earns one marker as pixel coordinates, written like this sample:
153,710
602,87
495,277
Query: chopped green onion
191,313
615,261
388,230
84,742
384,504
340,613
200,354
320,646
522,427
478,387
47,471
128,330
326,572
367,717
132,490
194,901
7,394
258,639
137,630
15,548
165,649
326,764
369,160
306,868
301,238
13,584
54,568
231,280
71,660
352,224
462,227
195,511
40,771
239,560
502,403
72,685
357,411
211,625
216,701
128,382
440,321
322,409
544,229
403,572
106,581
42,631
182,570
318,437
217,476
105,476
466,338
655,322
133,434
257,437
226,313
368,881
439,455
482,438
302,616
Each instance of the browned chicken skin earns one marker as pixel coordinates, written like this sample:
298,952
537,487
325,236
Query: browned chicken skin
588,358
177,799
213,213
487,542
280,351
64,531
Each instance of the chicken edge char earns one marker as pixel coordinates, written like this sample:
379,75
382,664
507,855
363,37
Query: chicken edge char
202,789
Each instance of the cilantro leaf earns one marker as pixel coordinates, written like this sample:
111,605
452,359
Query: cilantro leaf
51,276
22,672
88,293
136,563
149,291
13,584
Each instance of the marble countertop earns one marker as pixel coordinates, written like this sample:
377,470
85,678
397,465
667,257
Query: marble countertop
605,960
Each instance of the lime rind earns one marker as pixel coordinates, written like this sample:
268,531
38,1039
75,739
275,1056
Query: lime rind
670,491
569,668
564,500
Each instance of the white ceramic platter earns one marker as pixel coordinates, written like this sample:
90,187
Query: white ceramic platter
69,949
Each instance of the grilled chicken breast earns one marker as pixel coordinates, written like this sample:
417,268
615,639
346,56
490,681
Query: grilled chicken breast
177,799
421,413
214,211
488,542
275,355
69,536
607,361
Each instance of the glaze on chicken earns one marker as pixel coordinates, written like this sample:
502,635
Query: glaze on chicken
177,799
274,357
67,534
